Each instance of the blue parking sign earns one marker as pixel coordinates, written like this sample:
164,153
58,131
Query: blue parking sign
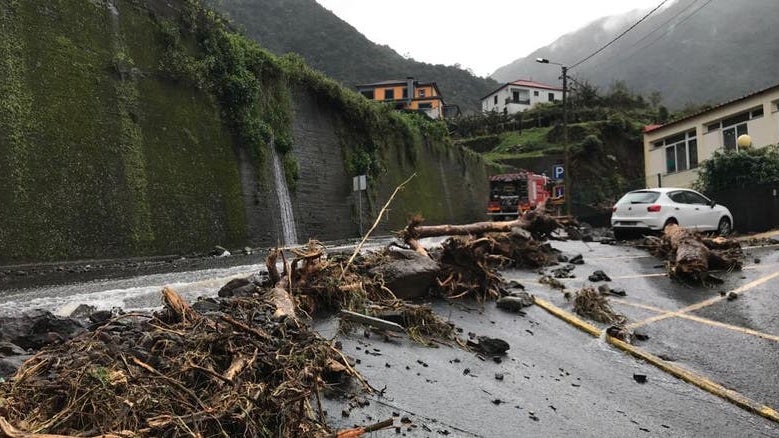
558,171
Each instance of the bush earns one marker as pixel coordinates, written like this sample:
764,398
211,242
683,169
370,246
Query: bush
727,169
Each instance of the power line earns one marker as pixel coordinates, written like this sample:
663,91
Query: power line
659,37
620,35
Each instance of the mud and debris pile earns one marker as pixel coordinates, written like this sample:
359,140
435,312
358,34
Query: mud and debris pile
248,364
232,372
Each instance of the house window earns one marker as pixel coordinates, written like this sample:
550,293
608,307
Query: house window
368,94
421,92
681,152
405,92
535,93
496,99
425,105
730,134
520,96
551,97
735,126
389,94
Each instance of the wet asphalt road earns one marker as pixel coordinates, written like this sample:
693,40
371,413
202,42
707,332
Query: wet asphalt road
558,381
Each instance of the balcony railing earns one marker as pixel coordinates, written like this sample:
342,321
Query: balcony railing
517,101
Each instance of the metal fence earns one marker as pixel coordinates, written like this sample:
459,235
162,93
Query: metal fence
754,208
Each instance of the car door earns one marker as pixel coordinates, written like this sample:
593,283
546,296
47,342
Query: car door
682,210
706,217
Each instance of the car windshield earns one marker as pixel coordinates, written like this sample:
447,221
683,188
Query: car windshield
639,198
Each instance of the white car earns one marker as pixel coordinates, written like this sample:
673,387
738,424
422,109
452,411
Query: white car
653,209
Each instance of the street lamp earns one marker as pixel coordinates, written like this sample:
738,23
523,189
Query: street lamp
566,173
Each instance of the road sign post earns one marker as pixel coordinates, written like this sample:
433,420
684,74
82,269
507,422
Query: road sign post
558,171
359,184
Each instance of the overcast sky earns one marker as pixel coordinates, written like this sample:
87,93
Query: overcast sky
487,33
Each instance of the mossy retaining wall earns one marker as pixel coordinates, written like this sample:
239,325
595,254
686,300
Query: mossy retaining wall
102,154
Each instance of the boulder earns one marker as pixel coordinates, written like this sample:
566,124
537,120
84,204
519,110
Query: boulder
408,274
516,301
9,365
240,287
38,328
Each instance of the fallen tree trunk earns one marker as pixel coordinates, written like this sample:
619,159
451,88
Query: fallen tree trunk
537,222
692,259
279,296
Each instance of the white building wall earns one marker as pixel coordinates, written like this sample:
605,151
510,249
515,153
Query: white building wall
763,130
505,93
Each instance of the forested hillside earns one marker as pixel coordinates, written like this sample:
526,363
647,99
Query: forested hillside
334,47
693,52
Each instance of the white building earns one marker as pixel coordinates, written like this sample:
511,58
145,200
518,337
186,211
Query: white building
673,152
519,95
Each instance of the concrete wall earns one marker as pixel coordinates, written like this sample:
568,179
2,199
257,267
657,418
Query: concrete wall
764,130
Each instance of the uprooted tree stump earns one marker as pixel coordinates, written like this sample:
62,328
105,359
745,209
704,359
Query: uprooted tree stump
691,257
471,256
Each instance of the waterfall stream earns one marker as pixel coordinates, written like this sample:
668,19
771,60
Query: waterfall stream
288,232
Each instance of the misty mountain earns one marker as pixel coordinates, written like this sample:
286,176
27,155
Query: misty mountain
692,52
334,47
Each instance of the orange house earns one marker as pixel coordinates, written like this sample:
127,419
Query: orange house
408,95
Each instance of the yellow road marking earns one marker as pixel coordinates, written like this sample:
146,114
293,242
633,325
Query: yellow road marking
568,317
702,320
682,373
741,289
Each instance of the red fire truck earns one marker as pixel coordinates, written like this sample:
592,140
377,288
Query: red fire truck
512,194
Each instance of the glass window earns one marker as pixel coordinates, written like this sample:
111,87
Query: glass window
535,93
674,139
743,117
692,149
421,92
678,197
551,97
405,92
368,94
641,197
670,159
389,94
694,198
681,157
730,135
712,127
496,99
757,112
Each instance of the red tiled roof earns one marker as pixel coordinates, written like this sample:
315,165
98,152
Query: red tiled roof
524,83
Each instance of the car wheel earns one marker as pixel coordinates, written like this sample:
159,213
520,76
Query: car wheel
724,228
669,222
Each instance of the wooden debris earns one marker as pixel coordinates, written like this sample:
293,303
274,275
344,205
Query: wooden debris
691,257
372,321
591,304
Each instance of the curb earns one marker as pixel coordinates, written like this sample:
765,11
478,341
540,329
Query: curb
693,378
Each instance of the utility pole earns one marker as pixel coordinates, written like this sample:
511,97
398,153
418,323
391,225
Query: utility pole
566,148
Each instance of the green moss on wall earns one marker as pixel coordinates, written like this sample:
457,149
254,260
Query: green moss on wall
120,132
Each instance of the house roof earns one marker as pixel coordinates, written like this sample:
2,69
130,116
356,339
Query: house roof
524,83
650,128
